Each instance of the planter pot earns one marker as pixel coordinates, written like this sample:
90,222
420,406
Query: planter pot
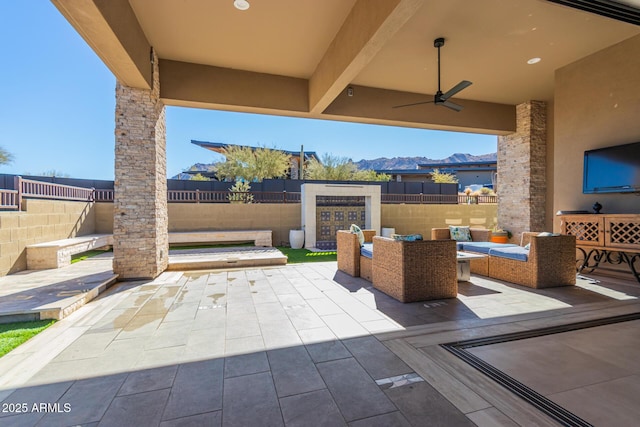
296,239
388,231
499,237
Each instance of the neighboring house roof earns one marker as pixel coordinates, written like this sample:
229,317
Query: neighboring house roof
218,147
469,165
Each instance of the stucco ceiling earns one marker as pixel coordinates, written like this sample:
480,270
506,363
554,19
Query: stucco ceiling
296,57
487,41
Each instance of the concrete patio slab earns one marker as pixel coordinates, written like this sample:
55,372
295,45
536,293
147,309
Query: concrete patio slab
180,344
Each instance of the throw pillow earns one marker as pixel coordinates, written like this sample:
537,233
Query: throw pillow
547,234
356,230
407,237
460,233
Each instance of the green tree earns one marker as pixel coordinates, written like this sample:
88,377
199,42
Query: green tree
199,177
443,177
339,169
251,165
5,156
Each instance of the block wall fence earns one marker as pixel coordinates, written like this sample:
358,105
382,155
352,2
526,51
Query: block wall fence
47,220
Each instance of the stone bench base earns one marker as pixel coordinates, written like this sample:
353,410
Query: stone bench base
57,253
258,237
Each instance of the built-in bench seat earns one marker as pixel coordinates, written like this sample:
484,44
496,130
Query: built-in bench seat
57,253
258,237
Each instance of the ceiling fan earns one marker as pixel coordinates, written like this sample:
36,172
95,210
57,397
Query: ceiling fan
443,98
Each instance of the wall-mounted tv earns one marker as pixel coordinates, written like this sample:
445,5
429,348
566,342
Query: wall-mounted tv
612,169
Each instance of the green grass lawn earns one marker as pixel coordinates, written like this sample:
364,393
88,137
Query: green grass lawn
304,255
84,255
295,255
14,334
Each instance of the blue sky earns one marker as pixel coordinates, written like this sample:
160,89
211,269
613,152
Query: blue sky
57,102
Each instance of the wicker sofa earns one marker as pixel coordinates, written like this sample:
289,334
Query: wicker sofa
479,265
549,262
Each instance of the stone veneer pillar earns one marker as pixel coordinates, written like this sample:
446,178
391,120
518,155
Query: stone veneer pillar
522,171
140,226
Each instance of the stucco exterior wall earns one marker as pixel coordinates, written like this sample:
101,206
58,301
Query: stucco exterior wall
596,105
41,221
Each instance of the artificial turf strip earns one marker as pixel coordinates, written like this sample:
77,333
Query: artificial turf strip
84,255
14,334
303,255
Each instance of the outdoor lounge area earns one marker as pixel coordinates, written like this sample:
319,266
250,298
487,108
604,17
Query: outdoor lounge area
413,333
420,270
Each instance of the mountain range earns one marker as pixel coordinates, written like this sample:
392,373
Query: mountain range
381,163
413,162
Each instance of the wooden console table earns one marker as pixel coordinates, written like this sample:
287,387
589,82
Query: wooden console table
613,238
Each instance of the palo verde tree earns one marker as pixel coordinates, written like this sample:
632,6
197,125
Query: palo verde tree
443,177
336,168
253,165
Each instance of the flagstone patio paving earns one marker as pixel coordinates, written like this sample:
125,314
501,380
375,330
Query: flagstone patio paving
293,345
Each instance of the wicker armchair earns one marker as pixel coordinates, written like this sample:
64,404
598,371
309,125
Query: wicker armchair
551,262
348,250
415,271
479,265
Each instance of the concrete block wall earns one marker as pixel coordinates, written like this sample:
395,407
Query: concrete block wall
410,219
41,221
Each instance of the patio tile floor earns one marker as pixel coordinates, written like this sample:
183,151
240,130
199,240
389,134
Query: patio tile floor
304,345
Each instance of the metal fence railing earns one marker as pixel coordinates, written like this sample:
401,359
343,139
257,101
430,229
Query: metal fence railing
12,199
9,199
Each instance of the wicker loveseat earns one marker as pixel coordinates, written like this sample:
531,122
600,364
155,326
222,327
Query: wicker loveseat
479,265
550,262
415,271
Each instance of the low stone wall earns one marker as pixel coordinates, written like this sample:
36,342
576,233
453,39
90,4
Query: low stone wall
41,221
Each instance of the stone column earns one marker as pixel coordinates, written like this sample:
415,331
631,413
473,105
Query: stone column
522,171
140,226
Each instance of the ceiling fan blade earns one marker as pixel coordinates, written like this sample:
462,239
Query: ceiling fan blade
451,105
415,103
457,88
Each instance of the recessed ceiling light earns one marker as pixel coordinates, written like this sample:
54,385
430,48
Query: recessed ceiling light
534,61
241,4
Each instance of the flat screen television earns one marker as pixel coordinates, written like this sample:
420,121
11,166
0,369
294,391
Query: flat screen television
612,169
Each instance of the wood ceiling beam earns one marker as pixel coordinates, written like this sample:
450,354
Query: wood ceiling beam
369,25
112,30
188,84
373,105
